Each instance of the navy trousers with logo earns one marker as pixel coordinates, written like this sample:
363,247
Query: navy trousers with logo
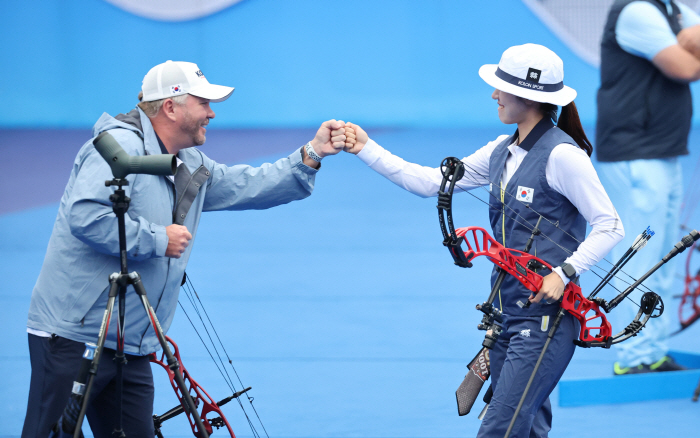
512,361
55,363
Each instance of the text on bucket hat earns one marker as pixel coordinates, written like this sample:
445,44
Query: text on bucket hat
171,79
532,72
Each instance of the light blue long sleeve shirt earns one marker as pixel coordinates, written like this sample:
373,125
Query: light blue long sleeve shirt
71,292
642,30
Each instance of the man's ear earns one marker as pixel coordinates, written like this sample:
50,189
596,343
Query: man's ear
168,109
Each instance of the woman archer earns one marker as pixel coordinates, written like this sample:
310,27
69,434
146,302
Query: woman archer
541,169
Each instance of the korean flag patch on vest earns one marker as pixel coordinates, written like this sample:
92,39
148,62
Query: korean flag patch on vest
525,194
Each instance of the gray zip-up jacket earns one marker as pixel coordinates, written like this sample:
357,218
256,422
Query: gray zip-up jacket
70,294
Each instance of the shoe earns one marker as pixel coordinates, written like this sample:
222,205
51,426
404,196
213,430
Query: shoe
666,363
639,369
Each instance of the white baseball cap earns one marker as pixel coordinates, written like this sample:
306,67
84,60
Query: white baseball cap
530,71
171,79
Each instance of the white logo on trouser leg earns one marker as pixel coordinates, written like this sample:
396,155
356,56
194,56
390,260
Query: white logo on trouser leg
525,333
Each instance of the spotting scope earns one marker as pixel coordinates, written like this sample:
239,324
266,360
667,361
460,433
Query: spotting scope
123,164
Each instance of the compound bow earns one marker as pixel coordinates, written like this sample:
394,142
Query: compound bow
689,308
204,402
199,395
596,331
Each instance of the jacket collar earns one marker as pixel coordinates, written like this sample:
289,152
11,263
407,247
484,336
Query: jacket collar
150,139
537,132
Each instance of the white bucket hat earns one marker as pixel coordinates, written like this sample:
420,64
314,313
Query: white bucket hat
530,71
171,79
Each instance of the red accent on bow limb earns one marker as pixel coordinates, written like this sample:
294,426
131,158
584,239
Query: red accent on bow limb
587,312
480,243
199,395
510,260
689,309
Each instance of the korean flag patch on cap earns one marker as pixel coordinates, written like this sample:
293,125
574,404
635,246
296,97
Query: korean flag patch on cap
525,194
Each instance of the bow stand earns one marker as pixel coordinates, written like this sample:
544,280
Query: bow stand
201,398
199,395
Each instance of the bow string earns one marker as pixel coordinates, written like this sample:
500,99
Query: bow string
217,351
525,223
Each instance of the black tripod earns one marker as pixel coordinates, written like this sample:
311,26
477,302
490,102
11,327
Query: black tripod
118,283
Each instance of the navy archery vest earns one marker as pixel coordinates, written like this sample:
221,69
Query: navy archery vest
512,221
642,114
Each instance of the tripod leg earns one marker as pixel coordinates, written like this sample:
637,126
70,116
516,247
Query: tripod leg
550,335
101,338
172,362
120,360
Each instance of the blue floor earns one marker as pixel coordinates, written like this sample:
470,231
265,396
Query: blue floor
343,311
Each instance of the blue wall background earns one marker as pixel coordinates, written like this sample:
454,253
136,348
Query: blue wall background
369,346
293,63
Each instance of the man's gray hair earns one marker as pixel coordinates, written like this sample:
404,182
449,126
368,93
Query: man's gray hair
152,108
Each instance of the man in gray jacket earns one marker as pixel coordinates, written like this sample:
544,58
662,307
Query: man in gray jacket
70,295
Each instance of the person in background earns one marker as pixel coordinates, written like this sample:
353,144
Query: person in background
650,52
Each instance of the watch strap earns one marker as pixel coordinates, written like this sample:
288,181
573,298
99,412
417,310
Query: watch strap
312,153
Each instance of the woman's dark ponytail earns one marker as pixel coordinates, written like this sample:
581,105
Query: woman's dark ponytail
570,123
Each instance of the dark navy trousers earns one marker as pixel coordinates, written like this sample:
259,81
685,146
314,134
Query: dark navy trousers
512,360
55,363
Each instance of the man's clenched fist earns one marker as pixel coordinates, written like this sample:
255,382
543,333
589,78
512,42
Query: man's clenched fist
330,138
178,240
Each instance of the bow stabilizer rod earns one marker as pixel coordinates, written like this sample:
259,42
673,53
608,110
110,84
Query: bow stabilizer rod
218,422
